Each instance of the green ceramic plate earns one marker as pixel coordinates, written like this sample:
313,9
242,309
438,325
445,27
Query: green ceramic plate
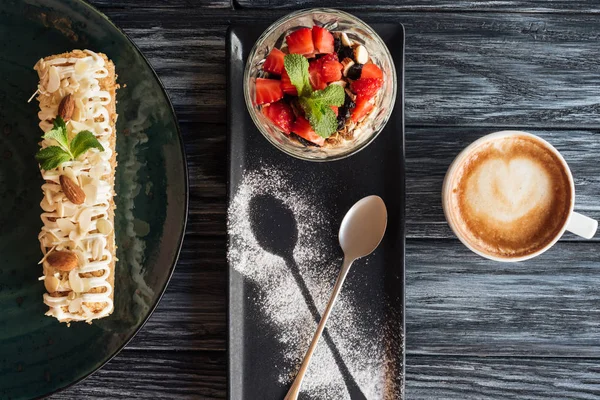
38,355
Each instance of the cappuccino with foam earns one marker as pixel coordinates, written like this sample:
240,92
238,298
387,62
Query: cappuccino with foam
509,196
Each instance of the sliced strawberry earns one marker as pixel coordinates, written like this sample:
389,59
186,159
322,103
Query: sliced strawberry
300,42
324,70
322,40
303,129
286,84
331,71
281,114
335,110
329,57
268,90
371,71
366,87
274,62
314,75
363,107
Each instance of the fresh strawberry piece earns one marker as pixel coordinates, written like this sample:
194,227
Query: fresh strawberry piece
303,129
366,87
363,107
314,75
274,62
281,114
324,70
335,110
322,40
286,84
371,71
268,90
331,71
300,42
329,57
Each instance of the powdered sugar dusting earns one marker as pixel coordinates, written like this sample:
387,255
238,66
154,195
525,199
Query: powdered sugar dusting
370,358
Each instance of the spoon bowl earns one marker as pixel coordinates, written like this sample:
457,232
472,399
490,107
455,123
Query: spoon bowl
363,227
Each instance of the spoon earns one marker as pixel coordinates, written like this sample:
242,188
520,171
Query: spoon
360,233
267,217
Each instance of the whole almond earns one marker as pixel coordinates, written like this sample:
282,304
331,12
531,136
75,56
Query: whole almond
63,260
73,192
66,107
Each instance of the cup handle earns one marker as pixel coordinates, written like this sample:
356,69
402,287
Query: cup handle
582,226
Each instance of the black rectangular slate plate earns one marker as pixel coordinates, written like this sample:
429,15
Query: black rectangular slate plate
376,283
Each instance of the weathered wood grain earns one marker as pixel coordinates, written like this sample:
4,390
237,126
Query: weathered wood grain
469,378
156,375
431,150
472,69
457,302
201,375
502,70
526,6
460,303
192,313
170,4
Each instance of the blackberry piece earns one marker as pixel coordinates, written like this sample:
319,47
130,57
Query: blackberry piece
348,102
354,71
341,120
337,44
345,52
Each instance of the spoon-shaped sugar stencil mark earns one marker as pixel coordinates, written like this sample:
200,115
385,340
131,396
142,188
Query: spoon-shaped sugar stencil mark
360,233
273,225
275,229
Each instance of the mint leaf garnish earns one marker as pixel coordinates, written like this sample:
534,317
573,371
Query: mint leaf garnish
59,133
332,95
323,120
318,111
296,66
314,103
84,141
52,156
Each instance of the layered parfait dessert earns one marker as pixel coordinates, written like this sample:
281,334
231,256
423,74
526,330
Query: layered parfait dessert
319,87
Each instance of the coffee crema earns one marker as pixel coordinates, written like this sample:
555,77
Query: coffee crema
511,196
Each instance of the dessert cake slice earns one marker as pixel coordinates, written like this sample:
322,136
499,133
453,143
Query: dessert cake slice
76,94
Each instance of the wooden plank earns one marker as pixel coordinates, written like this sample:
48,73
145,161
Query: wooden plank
460,303
430,151
171,4
185,375
456,302
192,313
527,6
155,375
472,69
468,378
502,70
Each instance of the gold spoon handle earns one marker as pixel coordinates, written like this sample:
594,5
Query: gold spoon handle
294,391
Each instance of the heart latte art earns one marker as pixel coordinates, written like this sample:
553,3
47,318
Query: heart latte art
507,190
511,196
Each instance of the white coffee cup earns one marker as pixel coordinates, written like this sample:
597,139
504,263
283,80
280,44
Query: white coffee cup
576,223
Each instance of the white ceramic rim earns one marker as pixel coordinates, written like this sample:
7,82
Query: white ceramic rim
446,187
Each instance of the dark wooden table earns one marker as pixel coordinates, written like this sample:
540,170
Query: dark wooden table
476,329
